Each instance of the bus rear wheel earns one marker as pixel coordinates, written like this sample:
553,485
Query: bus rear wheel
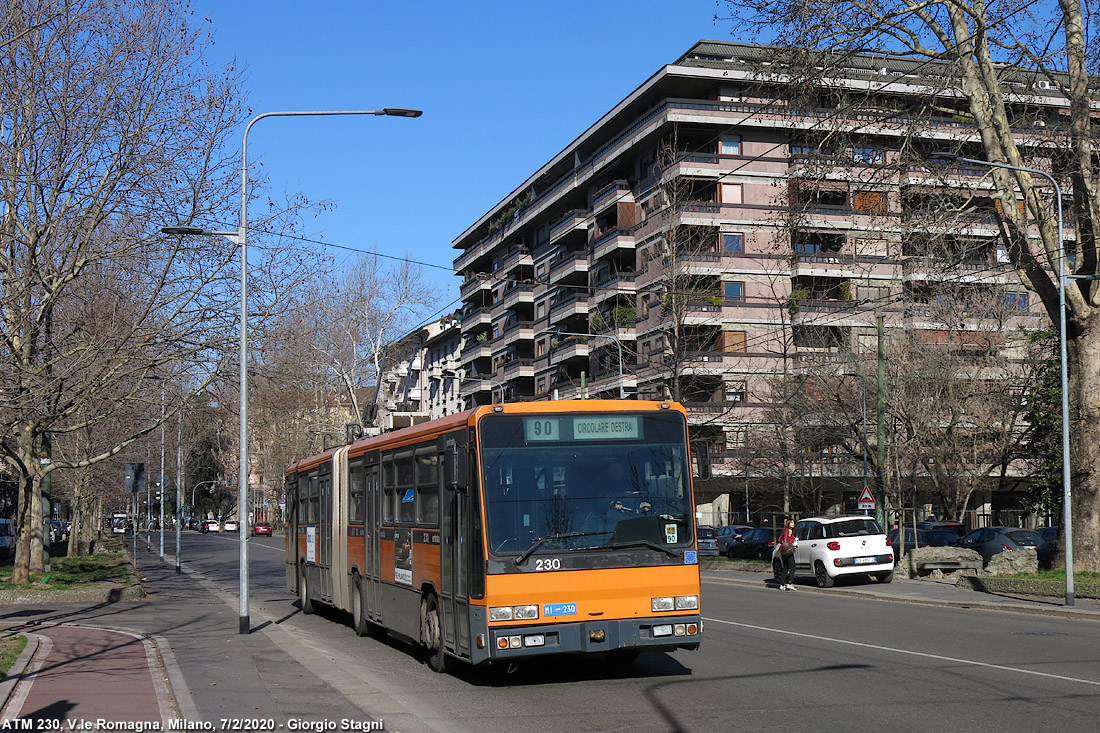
431,633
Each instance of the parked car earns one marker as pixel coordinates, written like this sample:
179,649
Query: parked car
730,533
756,544
1050,537
706,539
922,538
827,548
211,525
990,541
957,527
7,538
231,525
58,531
261,528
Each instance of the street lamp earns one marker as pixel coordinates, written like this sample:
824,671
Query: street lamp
1067,523
618,345
240,238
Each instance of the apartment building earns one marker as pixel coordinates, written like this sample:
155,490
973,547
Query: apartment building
423,384
714,230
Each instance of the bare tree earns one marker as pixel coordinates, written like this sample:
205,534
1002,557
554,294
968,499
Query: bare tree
111,123
370,308
991,58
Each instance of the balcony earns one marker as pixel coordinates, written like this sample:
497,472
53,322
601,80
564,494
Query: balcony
611,240
517,369
474,285
574,221
568,264
518,293
610,194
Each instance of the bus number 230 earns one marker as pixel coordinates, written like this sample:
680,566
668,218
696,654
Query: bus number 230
550,563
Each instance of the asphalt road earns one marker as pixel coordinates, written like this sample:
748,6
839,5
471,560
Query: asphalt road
770,659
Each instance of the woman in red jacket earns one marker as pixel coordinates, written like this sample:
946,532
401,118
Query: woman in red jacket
786,556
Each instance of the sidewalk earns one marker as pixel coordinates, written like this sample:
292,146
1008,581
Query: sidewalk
178,655
175,656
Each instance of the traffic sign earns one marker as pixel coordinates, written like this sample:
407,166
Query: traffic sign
866,499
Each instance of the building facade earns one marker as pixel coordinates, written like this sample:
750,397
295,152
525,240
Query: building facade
720,236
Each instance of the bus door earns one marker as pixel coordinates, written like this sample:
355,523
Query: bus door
455,519
291,517
324,536
374,519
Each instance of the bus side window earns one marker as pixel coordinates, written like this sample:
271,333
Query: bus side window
357,499
427,488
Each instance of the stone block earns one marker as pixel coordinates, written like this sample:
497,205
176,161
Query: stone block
1013,562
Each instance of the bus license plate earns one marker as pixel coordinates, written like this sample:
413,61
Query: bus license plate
559,609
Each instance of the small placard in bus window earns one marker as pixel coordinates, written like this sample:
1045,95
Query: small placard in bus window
541,428
671,534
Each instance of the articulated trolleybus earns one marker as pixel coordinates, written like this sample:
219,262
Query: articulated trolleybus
507,532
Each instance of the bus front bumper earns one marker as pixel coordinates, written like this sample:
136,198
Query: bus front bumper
660,634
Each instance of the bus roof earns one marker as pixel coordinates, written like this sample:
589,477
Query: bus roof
416,433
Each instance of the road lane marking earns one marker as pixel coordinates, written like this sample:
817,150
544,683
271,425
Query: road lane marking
926,655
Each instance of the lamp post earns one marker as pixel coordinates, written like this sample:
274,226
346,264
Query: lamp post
863,413
240,238
179,484
618,345
160,478
1067,523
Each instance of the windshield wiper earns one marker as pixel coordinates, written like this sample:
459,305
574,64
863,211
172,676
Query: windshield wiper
642,543
540,540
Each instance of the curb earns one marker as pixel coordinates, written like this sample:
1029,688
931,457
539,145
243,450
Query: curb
15,674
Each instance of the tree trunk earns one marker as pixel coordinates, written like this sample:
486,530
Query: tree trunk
1084,393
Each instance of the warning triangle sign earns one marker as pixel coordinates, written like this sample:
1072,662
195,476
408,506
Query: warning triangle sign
866,496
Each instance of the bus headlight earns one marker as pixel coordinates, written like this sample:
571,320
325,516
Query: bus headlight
687,603
664,603
513,613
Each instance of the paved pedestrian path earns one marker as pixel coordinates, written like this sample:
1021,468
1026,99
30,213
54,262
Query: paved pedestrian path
88,674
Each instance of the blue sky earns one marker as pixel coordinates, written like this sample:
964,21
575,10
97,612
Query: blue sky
504,86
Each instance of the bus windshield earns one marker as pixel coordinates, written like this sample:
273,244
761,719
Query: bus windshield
580,481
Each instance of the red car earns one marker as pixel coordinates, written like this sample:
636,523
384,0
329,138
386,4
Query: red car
261,528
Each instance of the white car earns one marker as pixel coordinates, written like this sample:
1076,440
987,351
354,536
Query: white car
829,547
231,525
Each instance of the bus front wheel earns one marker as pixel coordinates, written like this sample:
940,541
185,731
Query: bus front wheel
431,633
358,613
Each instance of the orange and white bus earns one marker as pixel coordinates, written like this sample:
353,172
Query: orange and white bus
507,532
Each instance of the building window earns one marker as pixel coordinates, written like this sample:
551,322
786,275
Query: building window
733,293
869,201
732,193
730,145
733,342
868,155
1016,301
735,390
733,243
